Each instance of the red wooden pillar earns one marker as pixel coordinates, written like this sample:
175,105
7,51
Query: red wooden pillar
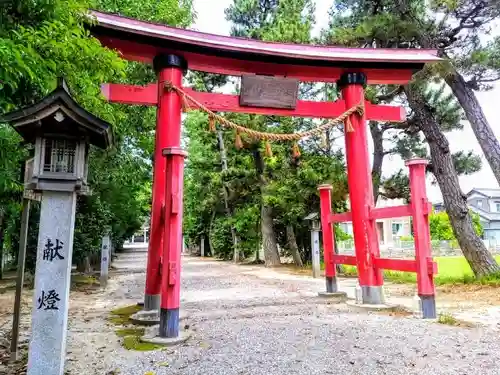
361,191
421,234
153,272
170,69
325,196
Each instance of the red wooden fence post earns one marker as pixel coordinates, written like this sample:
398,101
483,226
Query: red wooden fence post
171,69
421,234
361,191
325,196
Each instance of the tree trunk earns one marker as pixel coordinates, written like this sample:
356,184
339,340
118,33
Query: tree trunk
480,260
83,265
211,249
225,190
292,246
271,253
378,157
2,234
479,124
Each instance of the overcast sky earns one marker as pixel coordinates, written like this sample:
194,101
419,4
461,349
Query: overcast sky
211,19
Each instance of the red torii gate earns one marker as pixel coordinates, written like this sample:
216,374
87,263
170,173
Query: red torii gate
172,51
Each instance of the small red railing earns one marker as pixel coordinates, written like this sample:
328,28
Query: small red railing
419,209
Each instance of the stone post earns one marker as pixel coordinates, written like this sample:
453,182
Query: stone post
47,348
315,253
105,259
202,246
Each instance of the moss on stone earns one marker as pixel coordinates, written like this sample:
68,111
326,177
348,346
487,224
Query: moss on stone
84,279
121,315
123,332
131,335
135,343
126,310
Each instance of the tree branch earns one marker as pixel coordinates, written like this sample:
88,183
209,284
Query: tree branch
390,96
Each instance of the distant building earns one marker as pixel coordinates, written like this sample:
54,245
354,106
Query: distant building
389,230
439,207
486,203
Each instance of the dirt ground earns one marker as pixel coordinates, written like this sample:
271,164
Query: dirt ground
90,330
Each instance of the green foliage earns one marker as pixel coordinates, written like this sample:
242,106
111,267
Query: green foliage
417,24
440,226
43,40
340,235
466,162
253,179
406,238
441,229
169,12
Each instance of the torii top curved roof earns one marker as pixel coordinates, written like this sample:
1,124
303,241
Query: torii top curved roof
42,118
141,41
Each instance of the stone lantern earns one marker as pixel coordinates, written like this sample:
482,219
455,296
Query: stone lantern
62,133
315,225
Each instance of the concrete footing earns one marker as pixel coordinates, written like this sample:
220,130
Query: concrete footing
424,307
152,317
372,295
152,302
338,297
373,307
152,336
331,284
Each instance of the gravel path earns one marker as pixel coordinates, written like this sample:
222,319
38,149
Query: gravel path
248,322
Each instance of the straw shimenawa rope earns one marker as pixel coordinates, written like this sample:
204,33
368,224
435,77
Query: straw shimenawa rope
186,99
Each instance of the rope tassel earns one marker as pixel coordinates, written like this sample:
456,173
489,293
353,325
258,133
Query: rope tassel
269,150
324,140
211,124
295,151
348,125
237,141
185,104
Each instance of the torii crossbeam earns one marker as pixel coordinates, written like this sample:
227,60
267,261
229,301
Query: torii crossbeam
148,95
172,51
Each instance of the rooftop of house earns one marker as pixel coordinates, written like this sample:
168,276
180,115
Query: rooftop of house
489,216
487,192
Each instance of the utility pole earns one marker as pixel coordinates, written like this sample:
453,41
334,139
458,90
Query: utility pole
21,259
234,235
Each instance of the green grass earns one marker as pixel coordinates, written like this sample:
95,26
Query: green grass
451,270
450,320
447,319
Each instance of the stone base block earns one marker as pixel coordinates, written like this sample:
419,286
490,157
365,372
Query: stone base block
152,317
373,307
151,336
338,297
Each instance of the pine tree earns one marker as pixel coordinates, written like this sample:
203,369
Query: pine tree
285,21
473,64
404,25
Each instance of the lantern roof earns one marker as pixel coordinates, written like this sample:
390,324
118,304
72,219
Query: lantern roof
59,115
142,41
